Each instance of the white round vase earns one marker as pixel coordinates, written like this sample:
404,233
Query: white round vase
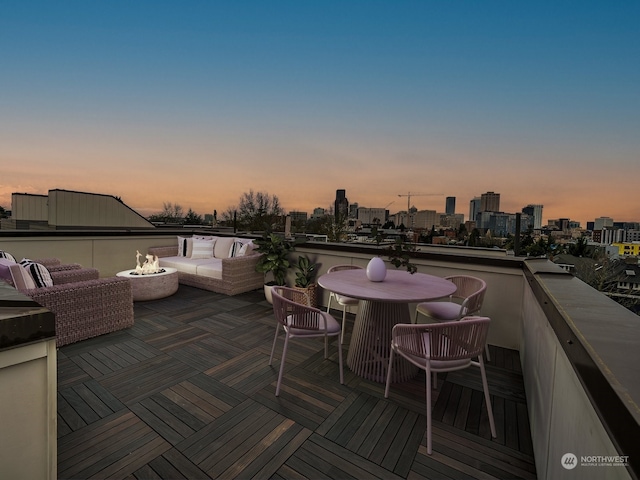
376,269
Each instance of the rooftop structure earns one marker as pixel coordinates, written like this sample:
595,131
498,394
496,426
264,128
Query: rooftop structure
123,397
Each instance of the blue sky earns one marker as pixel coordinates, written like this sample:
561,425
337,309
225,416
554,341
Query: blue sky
196,102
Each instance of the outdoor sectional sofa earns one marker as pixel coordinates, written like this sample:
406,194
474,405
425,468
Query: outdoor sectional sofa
84,305
224,265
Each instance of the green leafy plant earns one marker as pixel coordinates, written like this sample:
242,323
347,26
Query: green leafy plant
400,255
275,256
305,271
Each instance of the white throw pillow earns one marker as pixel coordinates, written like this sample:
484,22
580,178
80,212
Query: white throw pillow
202,248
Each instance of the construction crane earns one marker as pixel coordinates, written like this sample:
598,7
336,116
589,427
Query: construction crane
409,195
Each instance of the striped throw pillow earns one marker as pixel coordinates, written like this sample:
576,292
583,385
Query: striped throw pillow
202,248
7,255
39,273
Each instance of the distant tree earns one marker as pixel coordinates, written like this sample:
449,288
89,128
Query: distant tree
474,238
579,248
389,225
256,211
171,213
335,228
3,212
193,218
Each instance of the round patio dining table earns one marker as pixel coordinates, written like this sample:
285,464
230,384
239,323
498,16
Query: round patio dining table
382,305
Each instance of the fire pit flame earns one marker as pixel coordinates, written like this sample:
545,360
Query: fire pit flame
150,266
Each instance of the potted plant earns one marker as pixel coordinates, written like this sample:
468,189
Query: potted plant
400,255
275,260
305,275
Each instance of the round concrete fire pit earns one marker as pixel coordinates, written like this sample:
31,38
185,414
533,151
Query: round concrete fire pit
152,286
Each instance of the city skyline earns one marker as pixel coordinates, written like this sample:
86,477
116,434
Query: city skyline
197,103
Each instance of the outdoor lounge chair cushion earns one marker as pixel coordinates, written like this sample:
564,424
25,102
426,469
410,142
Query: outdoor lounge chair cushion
22,280
5,272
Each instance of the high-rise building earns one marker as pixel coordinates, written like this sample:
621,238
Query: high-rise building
341,205
369,216
536,212
602,222
490,202
450,206
425,219
474,208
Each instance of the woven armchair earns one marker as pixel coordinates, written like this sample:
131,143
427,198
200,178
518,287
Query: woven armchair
61,277
87,308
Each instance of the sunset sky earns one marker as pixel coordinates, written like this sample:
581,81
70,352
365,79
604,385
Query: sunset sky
196,102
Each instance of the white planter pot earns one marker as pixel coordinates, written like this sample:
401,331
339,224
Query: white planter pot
376,269
267,292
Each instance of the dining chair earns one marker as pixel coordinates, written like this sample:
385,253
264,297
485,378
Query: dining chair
341,299
465,301
301,321
442,347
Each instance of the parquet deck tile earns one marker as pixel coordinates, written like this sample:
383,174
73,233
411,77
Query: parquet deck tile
187,393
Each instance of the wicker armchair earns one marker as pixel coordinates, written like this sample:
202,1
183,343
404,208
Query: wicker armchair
88,308
61,277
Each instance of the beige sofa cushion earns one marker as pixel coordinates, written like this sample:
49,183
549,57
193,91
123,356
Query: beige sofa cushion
223,247
22,280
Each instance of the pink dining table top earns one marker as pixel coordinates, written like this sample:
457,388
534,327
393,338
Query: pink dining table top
398,286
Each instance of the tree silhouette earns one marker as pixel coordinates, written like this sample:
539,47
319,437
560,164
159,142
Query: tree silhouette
256,211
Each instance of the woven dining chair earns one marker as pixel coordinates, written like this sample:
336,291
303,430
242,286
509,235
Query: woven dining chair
301,321
465,301
342,300
442,347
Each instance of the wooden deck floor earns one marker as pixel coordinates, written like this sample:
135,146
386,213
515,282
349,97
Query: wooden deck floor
187,393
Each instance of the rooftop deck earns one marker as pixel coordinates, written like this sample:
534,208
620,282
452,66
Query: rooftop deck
188,393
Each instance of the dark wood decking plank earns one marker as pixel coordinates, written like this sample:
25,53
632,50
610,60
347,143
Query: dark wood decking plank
401,452
217,389
197,445
70,373
132,384
92,453
169,427
128,464
212,406
237,440
462,413
509,463
248,445
190,403
346,461
175,337
72,419
376,434
104,395
92,401
275,450
177,411
183,465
